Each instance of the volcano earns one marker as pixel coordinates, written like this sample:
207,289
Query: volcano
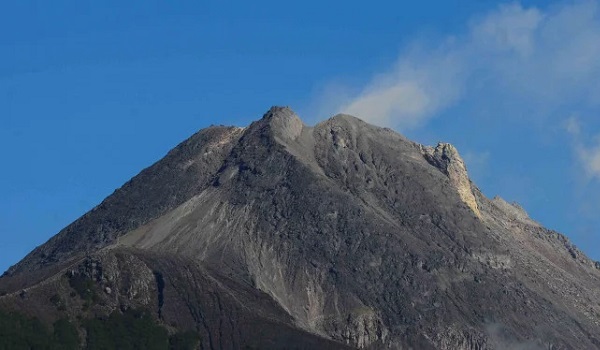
342,235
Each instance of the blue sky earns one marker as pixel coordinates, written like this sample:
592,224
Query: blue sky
90,94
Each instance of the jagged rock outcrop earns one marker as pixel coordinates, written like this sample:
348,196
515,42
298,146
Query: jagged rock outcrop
338,235
446,158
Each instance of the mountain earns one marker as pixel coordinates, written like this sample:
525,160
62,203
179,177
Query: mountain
341,235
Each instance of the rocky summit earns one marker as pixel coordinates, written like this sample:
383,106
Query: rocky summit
281,235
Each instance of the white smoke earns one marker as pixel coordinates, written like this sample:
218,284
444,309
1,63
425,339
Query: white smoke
540,59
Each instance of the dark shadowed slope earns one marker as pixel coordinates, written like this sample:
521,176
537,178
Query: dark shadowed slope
341,233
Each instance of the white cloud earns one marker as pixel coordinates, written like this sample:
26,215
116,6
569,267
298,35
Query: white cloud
510,28
586,148
476,161
543,59
417,86
590,159
405,99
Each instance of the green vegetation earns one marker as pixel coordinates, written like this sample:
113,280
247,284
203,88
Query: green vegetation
65,335
57,301
19,332
130,330
85,287
184,341
133,330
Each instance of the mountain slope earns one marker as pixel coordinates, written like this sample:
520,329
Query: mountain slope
341,233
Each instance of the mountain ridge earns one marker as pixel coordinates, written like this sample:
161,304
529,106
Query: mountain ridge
359,235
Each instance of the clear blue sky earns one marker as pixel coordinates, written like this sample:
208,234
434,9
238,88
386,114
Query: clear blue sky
93,92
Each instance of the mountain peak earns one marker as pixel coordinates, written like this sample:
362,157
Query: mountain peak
279,111
346,117
284,122
339,235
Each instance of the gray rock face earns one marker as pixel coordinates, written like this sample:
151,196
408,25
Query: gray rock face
341,234
184,172
446,158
